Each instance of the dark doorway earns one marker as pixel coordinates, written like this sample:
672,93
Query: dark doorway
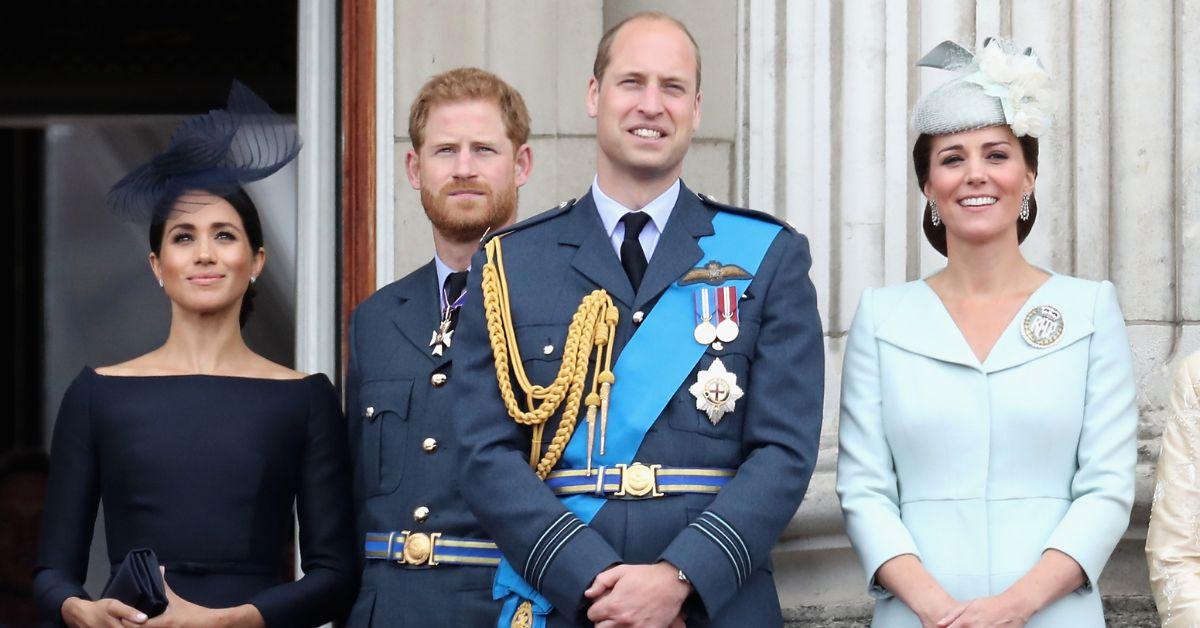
89,89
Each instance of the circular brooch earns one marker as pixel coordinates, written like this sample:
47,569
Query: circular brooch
1042,327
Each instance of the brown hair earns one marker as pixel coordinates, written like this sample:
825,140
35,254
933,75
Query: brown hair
605,48
469,84
922,161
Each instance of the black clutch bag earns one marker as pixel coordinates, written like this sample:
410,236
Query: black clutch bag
138,583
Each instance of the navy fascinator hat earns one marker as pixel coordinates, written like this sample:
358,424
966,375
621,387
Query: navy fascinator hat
216,152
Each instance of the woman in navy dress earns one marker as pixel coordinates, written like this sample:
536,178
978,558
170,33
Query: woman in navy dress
200,448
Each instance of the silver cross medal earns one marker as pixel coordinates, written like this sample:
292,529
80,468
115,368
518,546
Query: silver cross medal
442,337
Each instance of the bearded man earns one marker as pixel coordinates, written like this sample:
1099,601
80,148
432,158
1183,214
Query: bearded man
427,562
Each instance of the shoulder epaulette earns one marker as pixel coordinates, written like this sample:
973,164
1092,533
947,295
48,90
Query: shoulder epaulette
709,200
540,217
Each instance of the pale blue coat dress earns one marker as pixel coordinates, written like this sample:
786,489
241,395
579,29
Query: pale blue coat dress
979,468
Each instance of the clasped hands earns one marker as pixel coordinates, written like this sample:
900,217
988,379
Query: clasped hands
638,595
180,613
997,611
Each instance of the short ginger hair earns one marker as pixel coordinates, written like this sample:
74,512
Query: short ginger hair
469,84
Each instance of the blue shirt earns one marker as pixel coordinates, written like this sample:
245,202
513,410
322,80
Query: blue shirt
443,271
611,213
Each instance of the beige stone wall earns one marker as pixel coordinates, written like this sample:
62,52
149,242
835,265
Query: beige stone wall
805,114
545,49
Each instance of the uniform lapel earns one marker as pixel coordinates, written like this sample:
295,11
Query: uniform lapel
677,251
595,257
417,314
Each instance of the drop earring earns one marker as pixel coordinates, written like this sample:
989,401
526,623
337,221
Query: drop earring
160,283
934,217
1025,207
253,279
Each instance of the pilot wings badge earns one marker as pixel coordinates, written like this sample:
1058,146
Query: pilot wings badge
714,273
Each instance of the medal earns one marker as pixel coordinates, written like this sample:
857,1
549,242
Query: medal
442,337
705,332
716,391
727,313
1042,327
444,334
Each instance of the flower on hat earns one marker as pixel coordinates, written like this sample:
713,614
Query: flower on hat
1020,83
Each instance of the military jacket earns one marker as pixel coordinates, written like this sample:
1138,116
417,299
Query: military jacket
722,542
398,409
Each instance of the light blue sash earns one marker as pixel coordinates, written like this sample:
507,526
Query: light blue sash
650,369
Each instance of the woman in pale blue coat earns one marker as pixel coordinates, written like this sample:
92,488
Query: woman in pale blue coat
987,438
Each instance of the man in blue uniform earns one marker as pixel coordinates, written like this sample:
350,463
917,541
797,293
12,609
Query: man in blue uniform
642,376
427,562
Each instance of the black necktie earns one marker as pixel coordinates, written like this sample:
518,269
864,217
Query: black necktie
633,258
454,286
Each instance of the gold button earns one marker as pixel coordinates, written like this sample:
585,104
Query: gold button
421,514
438,379
429,444
638,316
370,411
547,350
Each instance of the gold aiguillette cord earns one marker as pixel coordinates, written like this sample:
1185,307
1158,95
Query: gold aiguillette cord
596,320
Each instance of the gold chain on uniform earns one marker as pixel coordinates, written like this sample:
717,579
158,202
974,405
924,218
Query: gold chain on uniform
594,324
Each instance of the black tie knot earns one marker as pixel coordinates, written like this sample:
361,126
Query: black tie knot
634,223
454,286
633,257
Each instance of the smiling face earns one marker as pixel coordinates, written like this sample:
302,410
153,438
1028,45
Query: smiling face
647,103
977,178
205,260
467,169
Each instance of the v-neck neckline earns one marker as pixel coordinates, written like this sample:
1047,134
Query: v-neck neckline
1007,328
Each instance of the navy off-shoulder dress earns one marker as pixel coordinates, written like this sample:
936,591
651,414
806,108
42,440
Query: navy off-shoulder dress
204,470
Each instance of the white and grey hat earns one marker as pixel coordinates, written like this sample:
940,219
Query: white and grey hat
999,85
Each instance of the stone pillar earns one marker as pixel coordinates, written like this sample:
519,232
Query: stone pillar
805,114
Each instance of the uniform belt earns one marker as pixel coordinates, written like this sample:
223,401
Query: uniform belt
637,481
422,549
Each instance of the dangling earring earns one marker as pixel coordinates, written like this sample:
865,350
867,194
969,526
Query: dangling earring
1025,207
933,213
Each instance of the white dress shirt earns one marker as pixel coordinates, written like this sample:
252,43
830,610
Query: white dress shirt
611,213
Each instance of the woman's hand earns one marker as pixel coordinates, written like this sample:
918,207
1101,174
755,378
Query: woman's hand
934,606
181,613
106,613
987,612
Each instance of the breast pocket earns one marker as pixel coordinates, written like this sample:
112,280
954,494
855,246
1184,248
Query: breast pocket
735,357
383,407
687,417
542,351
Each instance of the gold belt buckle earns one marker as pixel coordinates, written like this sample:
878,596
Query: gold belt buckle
419,548
638,481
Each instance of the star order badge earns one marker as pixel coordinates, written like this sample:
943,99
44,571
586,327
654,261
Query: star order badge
1043,326
716,391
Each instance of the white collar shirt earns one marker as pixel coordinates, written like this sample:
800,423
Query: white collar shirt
611,213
